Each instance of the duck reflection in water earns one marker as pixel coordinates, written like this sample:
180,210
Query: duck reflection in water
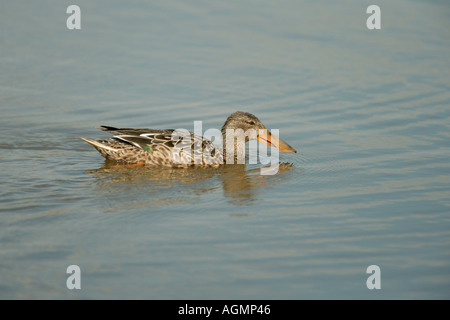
139,185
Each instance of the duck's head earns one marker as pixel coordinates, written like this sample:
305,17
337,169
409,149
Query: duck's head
246,121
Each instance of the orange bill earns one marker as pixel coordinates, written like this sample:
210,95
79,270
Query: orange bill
265,136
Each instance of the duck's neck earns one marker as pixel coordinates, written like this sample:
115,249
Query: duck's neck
235,145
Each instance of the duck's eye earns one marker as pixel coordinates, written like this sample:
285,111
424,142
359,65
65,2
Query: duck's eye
251,122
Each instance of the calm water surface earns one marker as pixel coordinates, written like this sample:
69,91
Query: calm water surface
368,111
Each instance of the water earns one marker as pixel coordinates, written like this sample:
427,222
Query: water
368,112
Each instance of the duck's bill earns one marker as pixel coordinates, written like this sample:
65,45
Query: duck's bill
265,136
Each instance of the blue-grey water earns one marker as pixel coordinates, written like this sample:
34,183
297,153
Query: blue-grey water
367,110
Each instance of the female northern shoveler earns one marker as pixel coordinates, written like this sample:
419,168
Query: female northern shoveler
175,148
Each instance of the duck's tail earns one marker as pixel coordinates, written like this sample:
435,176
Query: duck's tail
105,150
99,145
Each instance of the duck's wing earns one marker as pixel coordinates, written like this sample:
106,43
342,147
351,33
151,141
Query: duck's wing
142,138
137,132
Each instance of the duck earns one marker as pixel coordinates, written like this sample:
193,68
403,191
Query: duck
182,148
